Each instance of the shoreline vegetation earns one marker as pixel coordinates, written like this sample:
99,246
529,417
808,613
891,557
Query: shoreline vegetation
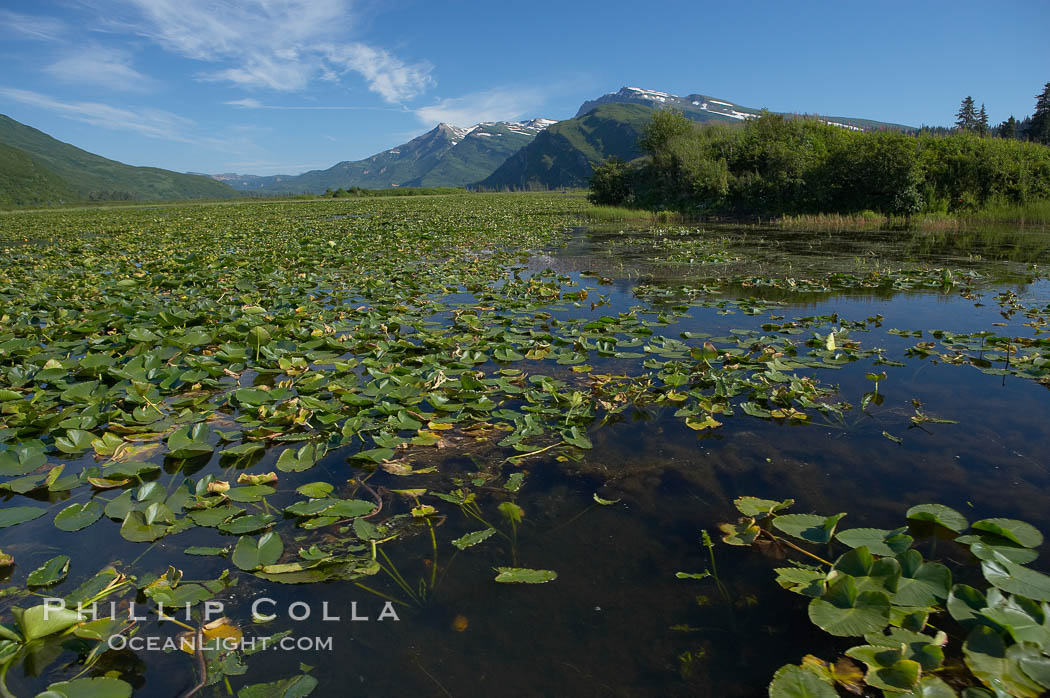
1032,214
799,172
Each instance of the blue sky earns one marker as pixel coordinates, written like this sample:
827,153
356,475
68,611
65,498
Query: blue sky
282,86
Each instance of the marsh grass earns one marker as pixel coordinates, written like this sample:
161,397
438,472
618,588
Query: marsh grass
1036,213
834,222
616,214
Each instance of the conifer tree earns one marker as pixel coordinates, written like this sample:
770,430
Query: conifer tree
982,122
1039,130
966,117
1008,129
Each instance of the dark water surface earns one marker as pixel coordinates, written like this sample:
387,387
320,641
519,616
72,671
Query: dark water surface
617,622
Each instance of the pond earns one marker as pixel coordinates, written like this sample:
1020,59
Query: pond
569,404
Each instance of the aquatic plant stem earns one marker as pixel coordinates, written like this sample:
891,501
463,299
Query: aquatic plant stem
396,576
4,692
434,545
381,595
788,543
512,459
202,666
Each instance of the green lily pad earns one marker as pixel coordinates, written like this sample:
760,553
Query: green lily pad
939,514
315,490
190,441
471,539
844,612
51,572
295,687
94,687
38,621
930,687
1018,532
12,516
137,529
796,682
808,527
921,583
247,524
521,575
252,553
292,461
1016,579
755,507
878,540
78,516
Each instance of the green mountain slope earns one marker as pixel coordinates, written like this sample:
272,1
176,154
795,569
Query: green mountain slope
24,182
564,154
446,156
480,152
90,176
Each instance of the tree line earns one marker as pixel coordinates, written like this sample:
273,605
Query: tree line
1034,128
777,165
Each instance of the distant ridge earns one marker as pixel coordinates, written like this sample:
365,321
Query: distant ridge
36,169
446,156
700,107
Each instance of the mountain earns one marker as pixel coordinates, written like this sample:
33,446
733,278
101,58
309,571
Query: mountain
446,156
706,108
24,182
38,169
565,154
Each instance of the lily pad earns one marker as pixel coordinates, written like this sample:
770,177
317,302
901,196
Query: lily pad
252,553
78,516
474,538
51,572
12,516
521,575
845,612
755,507
796,682
247,524
1018,532
939,514
137,529
295,687
94,687
878,540
39,621
808,527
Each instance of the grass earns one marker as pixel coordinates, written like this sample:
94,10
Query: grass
833,222
616,214
1035,213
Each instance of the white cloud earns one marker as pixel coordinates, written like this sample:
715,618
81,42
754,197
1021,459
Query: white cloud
279,45
33,26
154,123
501,104
252,103
389,77
247,103
101,66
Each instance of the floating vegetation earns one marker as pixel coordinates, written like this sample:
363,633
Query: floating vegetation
358,395
923,634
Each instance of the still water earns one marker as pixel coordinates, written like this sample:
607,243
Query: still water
617,622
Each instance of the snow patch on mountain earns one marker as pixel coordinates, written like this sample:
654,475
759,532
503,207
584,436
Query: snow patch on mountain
651,95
